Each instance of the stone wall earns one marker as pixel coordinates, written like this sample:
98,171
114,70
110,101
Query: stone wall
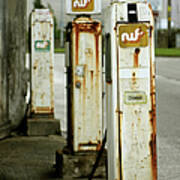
13,75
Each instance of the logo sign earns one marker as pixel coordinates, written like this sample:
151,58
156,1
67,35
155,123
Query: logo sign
135,97
42,46
133,35
82,5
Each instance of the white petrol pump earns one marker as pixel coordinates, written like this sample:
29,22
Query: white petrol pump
84,76
42,62
130,91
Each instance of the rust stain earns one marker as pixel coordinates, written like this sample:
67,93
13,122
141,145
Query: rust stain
92,77
152,143
76,30
151,30
121,175
150,7
92,74
133,79
98,148
88,52
43,109
90,27
136,57
109,82
97,52
51,76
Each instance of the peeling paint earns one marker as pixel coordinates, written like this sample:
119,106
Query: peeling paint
42,83
86,88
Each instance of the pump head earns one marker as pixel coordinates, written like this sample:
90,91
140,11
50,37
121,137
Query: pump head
129,1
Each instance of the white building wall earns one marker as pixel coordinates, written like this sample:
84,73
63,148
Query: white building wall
175,14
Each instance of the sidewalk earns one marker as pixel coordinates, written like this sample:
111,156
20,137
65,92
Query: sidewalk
26,158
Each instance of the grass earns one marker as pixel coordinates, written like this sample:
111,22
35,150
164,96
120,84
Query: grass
59,50
169,52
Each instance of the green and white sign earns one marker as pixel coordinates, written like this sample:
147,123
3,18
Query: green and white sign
43,46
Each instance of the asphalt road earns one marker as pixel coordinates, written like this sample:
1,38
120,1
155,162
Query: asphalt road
168,111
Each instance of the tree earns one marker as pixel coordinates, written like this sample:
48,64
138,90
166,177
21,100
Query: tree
38,4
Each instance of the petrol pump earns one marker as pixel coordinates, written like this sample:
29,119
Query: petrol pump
84,76
41,120
130,91
42,62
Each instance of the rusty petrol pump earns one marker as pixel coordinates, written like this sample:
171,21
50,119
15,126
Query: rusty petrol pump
84,92
42,120
130,91
84,82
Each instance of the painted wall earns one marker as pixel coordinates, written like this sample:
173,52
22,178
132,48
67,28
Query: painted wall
13,75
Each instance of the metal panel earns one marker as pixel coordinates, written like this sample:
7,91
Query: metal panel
86,92
42,62
136,123
131,119
83,6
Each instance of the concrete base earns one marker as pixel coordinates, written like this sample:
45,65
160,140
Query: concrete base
42,126
79,165
5,131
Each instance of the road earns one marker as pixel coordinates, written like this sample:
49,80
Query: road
168,110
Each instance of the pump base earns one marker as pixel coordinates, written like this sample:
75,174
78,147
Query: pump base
42,126
79,165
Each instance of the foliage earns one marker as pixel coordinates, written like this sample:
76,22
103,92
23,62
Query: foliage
169,52
163,38
59,50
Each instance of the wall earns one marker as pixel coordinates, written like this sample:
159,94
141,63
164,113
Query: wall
3,71
13,75
175,14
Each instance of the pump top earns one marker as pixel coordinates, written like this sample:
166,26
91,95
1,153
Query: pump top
129,1
78,7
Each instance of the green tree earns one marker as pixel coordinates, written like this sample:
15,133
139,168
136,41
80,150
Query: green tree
38,4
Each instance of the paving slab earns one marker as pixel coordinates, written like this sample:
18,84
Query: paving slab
30,158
